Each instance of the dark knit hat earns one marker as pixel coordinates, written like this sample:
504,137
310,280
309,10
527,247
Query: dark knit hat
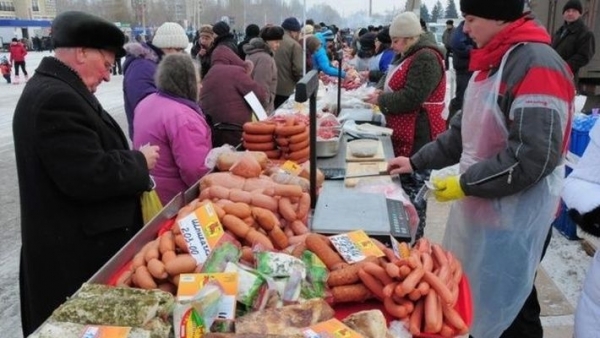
79,29
367,41
505,10
252,31
573,4
272,33
221,28
384,35
291,24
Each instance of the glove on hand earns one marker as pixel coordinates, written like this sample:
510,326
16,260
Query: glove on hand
448,189
589,221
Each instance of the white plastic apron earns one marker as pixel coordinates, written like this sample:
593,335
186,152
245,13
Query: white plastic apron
498,240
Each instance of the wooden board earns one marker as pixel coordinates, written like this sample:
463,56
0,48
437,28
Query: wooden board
379,156
359,169
352,182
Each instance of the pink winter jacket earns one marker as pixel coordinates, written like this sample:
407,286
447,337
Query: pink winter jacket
179,128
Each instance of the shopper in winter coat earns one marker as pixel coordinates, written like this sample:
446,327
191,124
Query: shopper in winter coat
365,59
446,40
5,69
172,120
581,194
141,62
17,58
461,45
252,31
289,60
509,141
222,95
79,183
260,51
201,50
573,41
385,55
321,61
411,97
223,38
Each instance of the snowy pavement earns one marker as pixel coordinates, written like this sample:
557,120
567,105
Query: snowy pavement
565,262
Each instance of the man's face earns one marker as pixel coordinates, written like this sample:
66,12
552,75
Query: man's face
96,68
482,30
206,40
571,15
274,44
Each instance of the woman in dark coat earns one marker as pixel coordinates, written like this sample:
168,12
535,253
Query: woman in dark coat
222,95
79,183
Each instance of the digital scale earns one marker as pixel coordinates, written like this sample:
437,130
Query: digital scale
377,215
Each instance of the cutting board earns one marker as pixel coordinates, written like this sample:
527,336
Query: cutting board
361,169
352,182
379,156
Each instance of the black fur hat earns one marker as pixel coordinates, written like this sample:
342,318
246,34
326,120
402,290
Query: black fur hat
573,4
79,29
504,10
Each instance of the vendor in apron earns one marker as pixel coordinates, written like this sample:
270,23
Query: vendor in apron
510,141
411,97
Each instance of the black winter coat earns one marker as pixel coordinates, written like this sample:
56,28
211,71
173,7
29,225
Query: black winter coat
79,184
575,44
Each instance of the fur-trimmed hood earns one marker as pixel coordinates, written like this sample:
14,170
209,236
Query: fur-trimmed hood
257,45
145,51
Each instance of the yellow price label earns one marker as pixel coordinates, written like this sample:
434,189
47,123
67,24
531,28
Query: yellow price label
292,168
355,246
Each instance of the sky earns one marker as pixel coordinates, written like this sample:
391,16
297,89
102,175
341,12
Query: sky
379,6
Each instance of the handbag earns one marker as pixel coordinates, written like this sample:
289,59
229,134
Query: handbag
151,204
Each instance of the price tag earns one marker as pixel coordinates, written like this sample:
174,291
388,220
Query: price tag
292,168
94,331
330,328
201,231
355,246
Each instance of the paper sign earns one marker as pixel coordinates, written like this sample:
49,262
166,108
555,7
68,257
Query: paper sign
257,108
330,328
355,246
292,168
93,331
201,231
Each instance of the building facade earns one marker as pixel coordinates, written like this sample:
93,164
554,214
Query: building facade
28,9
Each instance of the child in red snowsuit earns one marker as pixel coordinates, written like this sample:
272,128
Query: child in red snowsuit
5,69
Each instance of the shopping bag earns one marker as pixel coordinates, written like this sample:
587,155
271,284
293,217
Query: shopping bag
151,204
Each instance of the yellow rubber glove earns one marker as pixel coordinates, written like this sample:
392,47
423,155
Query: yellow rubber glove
447,189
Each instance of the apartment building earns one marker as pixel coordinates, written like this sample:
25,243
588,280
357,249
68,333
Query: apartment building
28,9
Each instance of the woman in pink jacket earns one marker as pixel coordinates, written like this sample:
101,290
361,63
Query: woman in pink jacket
172,120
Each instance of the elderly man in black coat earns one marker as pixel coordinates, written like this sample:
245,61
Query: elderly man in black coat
79,183
573,41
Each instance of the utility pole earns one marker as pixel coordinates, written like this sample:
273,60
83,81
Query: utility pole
370,8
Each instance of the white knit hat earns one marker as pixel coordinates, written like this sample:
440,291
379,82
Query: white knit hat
405,25
170,35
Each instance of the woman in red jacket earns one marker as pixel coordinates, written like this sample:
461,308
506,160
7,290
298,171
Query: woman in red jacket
17,58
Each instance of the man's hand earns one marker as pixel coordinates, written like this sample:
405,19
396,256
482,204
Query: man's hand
151,155
399,165
448,189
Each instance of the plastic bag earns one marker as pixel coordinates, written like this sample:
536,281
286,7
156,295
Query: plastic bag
211,158
151,205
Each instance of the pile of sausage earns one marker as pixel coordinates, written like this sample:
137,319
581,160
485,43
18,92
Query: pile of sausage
288,140
422,287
